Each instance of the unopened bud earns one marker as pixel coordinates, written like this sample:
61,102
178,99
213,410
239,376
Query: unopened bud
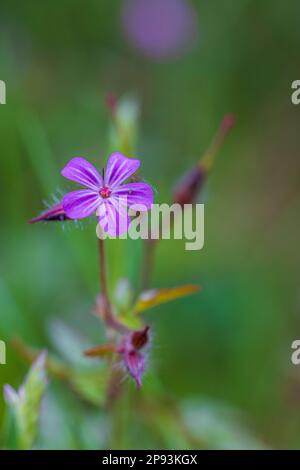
189,186
130,349
55,213
135,364
140,338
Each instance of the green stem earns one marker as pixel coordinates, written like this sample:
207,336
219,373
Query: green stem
108,315
148,261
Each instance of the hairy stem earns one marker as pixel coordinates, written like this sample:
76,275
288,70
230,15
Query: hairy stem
103,275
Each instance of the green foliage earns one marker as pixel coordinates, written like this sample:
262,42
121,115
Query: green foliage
85,378
124,128
23,407
91,385
232,342
218,426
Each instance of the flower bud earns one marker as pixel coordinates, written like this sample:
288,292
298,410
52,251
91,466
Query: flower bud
130,349
55,213
135,364
139,339
189,185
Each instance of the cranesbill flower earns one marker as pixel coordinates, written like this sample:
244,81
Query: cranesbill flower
105,195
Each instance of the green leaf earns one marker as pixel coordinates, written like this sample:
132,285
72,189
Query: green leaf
131,321
9,435
90,385
123,295
123,132
24,404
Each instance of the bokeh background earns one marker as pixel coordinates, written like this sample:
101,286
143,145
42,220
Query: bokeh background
224,354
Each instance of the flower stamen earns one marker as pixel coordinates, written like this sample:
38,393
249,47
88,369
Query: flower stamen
105,192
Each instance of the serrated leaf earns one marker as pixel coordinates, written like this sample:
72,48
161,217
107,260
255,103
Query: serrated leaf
88,383
153,297
25,403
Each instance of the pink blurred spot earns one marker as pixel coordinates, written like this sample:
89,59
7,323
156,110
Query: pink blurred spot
161,29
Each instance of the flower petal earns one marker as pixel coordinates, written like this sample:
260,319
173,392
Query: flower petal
119,168
83,172
135,194
135,365
81,204
113,217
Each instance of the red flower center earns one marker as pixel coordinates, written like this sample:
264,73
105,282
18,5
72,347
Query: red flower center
105,192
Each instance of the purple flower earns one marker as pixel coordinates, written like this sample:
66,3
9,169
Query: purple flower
161,29
106,196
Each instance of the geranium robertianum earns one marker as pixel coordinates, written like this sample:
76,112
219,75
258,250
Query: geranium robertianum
105,195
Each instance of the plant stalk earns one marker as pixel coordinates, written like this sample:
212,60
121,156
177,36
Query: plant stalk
108,315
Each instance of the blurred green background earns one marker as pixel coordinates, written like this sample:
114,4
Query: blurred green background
225,351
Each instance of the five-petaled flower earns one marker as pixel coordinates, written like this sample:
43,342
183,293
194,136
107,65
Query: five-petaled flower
105,195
